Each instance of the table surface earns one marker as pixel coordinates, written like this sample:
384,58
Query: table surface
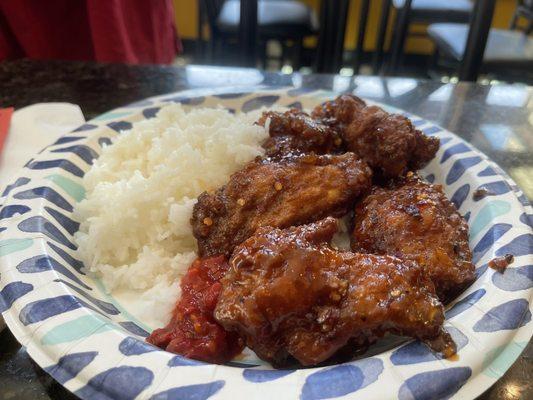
496,119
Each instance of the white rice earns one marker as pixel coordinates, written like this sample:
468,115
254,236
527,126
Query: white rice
135,233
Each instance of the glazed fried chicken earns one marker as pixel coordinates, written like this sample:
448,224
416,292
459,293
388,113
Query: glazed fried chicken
340,111
291,191
294,131
413,220
289,294
387,142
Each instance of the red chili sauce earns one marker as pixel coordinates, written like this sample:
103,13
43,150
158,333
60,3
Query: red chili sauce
193,331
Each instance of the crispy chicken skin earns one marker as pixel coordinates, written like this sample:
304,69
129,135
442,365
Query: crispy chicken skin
289,294
340,111
414,220
294,131
291,191
387,142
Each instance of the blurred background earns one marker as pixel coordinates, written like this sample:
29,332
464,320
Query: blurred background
489,40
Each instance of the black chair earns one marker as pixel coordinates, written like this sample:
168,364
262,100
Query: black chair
524,10
506,50
361,32
280,20
415,11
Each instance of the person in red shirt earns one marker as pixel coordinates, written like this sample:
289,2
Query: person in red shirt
127,31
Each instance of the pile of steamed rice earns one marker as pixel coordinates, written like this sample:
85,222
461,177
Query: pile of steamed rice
135,234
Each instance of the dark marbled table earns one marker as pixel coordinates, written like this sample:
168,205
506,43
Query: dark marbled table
497,119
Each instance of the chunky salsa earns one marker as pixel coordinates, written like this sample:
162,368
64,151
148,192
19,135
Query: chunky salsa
193,331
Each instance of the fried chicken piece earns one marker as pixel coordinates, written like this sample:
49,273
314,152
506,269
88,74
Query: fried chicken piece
340,111
292,191
288,293
387,142
294,132
412,219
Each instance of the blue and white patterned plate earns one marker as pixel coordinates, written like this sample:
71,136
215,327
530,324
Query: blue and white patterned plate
88,342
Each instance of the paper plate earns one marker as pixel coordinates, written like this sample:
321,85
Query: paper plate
88,342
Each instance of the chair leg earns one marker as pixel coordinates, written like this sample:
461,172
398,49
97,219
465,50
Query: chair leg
361,35
387,54
283,52
199,46
211,49
297,54
218,58
380,43
320,59
402,25
433,61
263,56
512,25
338,42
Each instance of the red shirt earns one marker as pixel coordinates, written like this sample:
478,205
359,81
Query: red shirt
129,31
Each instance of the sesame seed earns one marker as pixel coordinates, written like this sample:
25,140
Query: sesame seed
208,221
241,202
278,186
395,293
338,142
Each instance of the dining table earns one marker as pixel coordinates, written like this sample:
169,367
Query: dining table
497,119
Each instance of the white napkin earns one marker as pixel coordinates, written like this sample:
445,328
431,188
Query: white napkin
31,129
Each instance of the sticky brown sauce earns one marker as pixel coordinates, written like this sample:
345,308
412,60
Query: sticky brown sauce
480,193
444,345
501,263
454,357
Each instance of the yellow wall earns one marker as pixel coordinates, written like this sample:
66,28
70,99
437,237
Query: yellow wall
187,17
